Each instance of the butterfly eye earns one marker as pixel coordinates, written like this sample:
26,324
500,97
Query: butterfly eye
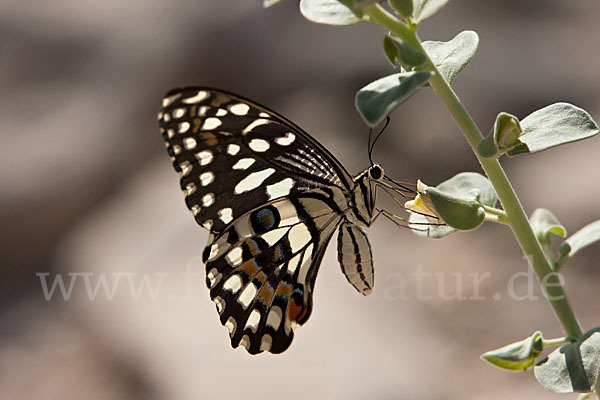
376,172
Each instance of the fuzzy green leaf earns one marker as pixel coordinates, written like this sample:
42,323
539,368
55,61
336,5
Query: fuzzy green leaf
504,135
468,186
269,3
404,8
390,49
423,9
553,125
544,223
574,367
379,98
584,237
452,57
330,12
517,356
408,55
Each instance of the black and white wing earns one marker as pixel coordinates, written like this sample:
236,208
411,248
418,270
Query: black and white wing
271,197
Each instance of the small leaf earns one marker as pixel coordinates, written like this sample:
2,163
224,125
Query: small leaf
466,185
574,367
517,356
408,55
269,3
390,49
379,98
404,8
504,135
452,57
507,131
423,9
330,12
357,4
544,223
553,125
584,237
459,212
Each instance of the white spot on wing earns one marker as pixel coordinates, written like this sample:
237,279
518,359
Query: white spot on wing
274,317
189,143
266,342
247,295
206,178
190,188
252,125
167,101
233,283
273,236
207,224
293,264
259,145
208,199
239,109
299,236
231,325
214,251
305,263
225,215
185,167
280,189
220,304
214,276
184,127
253,180
221,112
211,123
245,342
179,112
201,95
205,157
253,320
235,256
233,149
243,163
286,140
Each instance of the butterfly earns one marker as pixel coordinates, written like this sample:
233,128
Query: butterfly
271,197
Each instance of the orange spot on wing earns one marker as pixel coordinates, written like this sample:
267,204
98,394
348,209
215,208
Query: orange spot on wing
296,311
209,138
197,123
250,267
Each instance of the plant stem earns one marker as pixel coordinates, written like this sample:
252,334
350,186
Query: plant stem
516,217
499,215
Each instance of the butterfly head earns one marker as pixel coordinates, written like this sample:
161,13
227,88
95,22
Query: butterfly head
364,193
375,172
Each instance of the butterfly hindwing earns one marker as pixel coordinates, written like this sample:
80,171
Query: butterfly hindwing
261,269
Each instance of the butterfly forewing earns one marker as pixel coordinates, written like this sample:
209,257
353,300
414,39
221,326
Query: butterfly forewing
271,197
224,146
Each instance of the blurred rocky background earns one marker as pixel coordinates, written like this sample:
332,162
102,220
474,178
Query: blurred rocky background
87,191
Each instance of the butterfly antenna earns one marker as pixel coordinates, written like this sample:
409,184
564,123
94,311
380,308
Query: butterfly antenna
372,145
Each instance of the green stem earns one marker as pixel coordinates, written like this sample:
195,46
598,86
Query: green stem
499,215
557,341
516,217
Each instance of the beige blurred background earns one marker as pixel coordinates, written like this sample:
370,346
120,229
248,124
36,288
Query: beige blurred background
88,192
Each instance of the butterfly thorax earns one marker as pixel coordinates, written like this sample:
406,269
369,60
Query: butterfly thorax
364,193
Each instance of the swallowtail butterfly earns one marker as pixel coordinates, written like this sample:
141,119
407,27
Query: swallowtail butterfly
271,197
